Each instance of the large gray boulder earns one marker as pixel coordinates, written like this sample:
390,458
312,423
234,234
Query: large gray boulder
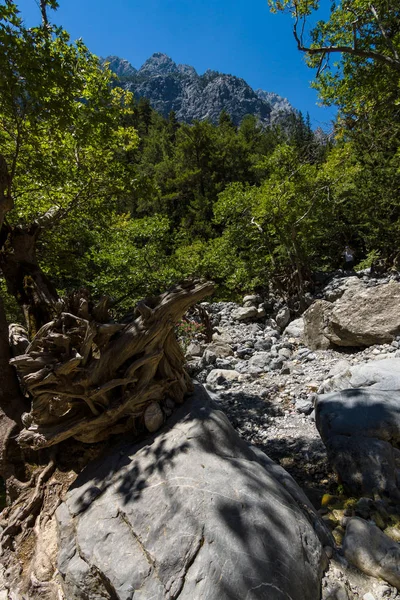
361,431
192,512
365,316
375,374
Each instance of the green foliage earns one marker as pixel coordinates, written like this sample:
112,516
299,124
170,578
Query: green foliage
241,205
62,133
11,308
131,260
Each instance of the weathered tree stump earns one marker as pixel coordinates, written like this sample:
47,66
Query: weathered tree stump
89,379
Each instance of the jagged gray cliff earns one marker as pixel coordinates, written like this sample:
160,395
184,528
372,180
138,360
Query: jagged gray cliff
170,86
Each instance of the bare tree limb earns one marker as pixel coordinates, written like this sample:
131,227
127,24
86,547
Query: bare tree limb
352,50
383,32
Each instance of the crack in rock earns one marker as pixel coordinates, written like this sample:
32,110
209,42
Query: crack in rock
189,564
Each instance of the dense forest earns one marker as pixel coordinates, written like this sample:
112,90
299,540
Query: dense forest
100,191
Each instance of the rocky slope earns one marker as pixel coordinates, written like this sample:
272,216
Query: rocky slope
268,381
170,86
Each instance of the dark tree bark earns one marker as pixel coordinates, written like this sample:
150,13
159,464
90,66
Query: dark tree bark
12,406
43,10
25,280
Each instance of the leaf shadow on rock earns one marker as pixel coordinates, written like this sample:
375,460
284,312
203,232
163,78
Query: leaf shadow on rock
218,518
304,458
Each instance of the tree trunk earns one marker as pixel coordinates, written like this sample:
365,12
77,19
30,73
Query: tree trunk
25,280
12,406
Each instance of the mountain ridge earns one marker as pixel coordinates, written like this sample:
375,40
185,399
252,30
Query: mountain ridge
178,87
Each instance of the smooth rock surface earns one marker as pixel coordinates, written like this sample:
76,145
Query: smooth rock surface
220,349
193,512
244,313
366,547
376,374
283,317
295,329
361,431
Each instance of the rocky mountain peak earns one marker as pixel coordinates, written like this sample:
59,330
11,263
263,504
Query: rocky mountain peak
178,87
120,66
158,64
187,70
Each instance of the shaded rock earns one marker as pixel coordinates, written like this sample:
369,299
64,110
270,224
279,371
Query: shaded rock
244,352
364,465
361,412
192,512
359,428
371,551
194,366
261,345
315,322
259,361
277,363
365,316
304,406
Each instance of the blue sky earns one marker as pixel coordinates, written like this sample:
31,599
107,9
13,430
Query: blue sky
238,37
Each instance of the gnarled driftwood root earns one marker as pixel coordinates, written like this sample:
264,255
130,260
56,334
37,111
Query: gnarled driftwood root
89,379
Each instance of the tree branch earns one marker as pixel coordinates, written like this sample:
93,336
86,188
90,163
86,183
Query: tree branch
383,32
43,10
368,54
